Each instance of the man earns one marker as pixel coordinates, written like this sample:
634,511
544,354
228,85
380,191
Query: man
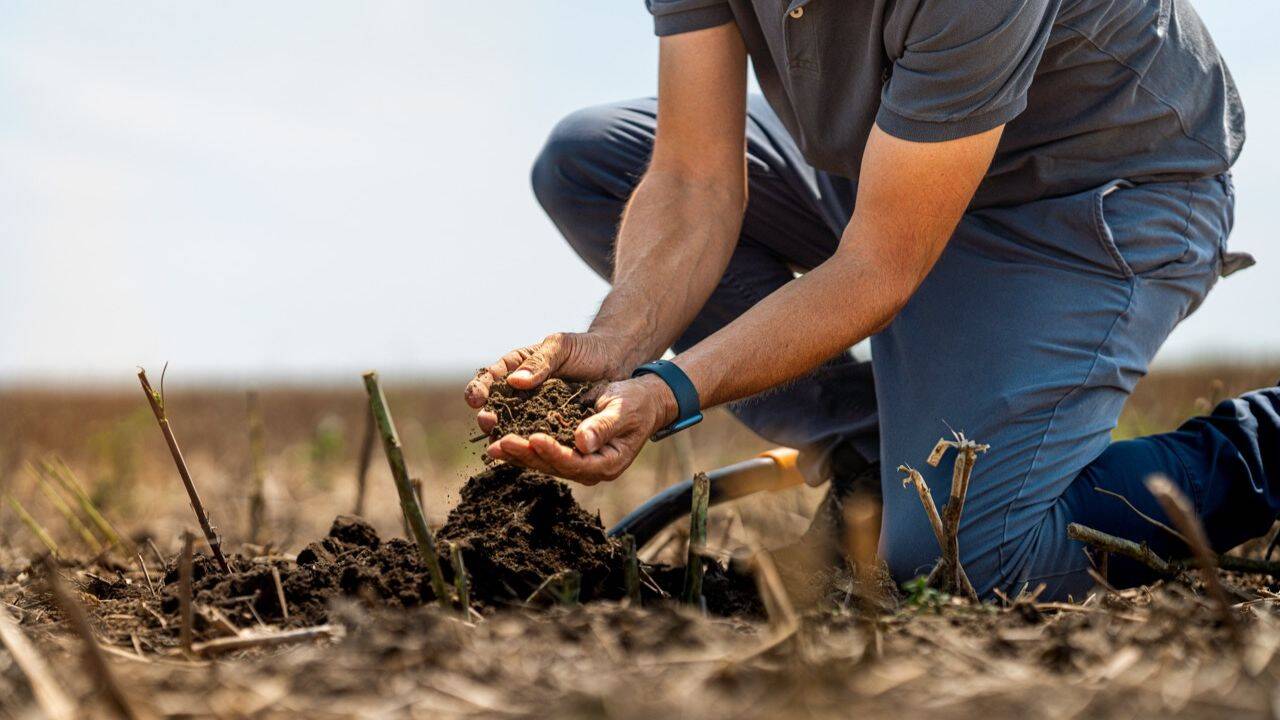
1016,200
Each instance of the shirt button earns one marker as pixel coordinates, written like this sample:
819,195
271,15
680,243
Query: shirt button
797,13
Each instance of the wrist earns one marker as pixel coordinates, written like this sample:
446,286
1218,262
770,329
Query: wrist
666,408
620,352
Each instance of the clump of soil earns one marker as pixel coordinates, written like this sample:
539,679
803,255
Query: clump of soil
555,407
518,526
350,561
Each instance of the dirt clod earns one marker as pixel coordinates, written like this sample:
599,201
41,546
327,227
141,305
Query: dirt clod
555,407
518,526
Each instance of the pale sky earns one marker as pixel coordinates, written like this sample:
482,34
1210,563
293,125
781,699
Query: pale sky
310,189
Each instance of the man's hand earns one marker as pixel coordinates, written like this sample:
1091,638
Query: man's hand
674,241
627,415
572,356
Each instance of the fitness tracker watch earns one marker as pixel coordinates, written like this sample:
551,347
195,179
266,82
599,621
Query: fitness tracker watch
690,406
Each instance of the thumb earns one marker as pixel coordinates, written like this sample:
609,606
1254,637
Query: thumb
596,431
544,360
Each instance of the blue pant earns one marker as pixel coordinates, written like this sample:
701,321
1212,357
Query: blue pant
1029,334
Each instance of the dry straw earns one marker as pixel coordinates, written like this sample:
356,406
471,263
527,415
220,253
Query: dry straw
156,399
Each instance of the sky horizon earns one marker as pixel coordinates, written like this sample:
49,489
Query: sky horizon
303,191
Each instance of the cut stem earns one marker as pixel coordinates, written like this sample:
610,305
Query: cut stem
632,569
257,468
95,661
35,527
461,583
926,499
563,587
773,592
48,694
1121,546
1180,510
366,458
949,575
862,532
69,515
409,504
210,532
253,640
692,592
284,604
185,601
61,472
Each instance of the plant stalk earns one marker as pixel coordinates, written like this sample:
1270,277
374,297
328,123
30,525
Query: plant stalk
257,468
185,600
409,504
692,592
35,527
461,583
210,532
366,458
632,569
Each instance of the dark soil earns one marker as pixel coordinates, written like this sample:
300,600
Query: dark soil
351,561
555,407
516,527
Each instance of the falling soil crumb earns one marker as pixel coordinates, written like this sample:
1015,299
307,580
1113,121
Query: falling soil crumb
555,407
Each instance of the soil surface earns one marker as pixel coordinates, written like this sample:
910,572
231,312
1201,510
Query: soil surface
555,407
516,528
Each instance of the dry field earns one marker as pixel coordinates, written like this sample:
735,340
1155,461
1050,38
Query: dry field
385,650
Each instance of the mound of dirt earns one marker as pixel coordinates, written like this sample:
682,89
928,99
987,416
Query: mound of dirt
517,526
555,407
351,561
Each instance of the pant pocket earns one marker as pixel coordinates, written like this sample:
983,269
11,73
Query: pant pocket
1103,231
1169,231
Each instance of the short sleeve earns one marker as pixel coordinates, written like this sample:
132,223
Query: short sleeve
672,17
965,71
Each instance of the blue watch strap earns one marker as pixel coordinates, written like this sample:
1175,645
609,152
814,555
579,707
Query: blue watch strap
687,401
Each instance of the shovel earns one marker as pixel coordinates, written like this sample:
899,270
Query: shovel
771,470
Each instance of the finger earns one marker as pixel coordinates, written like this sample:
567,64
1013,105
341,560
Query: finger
477,391
486,419
567,463
494,451
539,365
517,450
598,430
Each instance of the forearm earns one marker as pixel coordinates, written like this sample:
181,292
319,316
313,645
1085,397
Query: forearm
910,198
798,327
674,242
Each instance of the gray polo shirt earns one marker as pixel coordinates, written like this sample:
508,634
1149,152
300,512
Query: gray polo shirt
1091,90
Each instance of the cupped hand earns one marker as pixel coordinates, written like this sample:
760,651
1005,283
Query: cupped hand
571,356
605,444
